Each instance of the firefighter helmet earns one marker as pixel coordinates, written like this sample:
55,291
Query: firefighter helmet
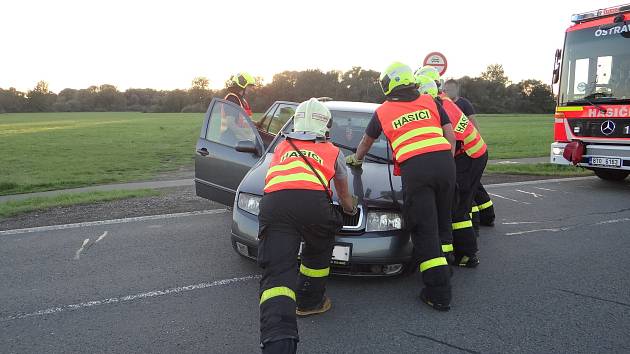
396,77
426,85
429,71
312,117
241,80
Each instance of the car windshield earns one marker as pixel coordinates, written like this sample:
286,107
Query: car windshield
596,65
347,131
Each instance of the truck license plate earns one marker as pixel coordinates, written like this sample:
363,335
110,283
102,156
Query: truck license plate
605,162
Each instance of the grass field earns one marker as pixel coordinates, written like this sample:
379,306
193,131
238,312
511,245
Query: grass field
46,151
11,208
538,169
517,135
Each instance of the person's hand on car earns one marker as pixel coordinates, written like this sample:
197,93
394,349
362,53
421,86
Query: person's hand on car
354,210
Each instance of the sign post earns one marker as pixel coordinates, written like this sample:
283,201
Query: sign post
437,60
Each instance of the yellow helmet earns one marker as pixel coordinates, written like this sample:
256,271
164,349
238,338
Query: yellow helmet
396,76
241,80
426,85
430,71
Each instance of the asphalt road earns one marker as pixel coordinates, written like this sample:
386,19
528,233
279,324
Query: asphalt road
553,278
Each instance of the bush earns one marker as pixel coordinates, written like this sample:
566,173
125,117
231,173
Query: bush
194,108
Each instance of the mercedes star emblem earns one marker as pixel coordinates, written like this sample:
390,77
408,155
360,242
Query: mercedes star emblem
608,127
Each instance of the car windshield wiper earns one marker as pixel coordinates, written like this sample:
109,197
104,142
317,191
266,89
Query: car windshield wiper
373,157
587,99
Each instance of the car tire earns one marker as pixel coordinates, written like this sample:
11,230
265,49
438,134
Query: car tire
611,175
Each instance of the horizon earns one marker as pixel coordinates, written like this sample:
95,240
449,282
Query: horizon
159,45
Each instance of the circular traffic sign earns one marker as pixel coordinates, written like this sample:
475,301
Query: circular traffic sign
437,60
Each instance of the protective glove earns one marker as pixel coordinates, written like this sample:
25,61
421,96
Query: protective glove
353,161
355,204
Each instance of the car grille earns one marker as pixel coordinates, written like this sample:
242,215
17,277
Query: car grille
351,222
593,128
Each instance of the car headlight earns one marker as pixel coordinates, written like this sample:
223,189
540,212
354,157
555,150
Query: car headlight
249,202
557,151
383,221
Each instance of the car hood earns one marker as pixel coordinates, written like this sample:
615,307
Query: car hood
370,183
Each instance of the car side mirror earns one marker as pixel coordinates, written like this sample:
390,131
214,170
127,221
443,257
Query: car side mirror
247,146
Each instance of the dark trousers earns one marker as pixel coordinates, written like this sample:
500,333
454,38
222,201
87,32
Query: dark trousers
286,218
469,172
485,206
428,186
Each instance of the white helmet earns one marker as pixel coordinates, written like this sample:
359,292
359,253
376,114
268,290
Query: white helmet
311,117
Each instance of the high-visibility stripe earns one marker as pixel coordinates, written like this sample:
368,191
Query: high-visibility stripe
314,273
485,205
448,247
473,150
569,109
475,209
295,177
420,145
291,165
277,291
431,263
462,225
471,137
415,132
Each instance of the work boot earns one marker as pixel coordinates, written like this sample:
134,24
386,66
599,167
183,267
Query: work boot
433,304
323,306
466,261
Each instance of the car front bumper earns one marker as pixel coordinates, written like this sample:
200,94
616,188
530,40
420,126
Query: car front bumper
373,253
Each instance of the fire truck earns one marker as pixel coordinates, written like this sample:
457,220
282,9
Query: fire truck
592,119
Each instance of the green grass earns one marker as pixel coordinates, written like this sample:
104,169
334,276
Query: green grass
46,151
516,135
538,169
12,208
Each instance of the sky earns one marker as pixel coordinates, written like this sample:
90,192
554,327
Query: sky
165,44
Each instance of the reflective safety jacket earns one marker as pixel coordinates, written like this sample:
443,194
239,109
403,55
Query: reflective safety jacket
412,128
242,102
472,142
288,170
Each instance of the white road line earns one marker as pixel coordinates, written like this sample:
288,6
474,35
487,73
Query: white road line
539,181
101,237
506,198
128,298
520,222
535,195
545,189
110,222
566,228
77,254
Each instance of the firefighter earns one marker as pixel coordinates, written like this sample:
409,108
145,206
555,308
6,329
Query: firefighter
236,86
483,209
471,157
422,140
297,206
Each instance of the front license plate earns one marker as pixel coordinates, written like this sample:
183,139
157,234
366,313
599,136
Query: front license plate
340,254
605,162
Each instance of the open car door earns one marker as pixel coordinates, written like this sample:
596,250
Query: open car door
228,146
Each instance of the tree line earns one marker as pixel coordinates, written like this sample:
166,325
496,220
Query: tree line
491,92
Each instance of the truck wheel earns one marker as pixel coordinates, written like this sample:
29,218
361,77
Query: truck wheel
611,175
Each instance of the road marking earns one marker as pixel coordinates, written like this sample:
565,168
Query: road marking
545,189
77,254
566,228
110,222
101,237
506,198
520,222
128,298
539,181
536,195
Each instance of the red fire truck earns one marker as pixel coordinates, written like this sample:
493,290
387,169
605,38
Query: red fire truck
592,119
